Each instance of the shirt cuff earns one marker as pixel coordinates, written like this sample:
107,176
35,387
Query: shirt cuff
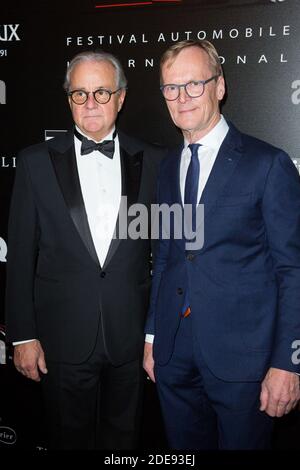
15,343
149,338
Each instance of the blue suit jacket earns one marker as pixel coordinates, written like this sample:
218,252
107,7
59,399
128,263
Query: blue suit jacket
244,283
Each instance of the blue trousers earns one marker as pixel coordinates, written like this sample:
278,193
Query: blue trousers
201,411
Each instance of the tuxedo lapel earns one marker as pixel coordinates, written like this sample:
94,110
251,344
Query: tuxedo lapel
131,170
64,162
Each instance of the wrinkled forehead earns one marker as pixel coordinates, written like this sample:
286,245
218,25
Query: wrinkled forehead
191,61
101,72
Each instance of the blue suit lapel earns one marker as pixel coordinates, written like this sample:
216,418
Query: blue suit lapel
175,192
227,159
175,176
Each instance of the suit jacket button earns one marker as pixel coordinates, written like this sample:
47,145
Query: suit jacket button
179,291
103,274
190,257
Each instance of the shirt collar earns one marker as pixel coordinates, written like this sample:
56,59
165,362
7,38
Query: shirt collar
109,136
215,137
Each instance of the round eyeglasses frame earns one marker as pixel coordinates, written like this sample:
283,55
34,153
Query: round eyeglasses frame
185,86
101,99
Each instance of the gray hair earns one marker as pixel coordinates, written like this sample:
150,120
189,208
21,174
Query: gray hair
96,56
173,51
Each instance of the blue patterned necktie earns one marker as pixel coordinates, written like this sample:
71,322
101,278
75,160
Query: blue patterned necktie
191,197
191,182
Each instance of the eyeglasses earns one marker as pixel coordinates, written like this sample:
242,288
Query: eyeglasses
101,95
193,89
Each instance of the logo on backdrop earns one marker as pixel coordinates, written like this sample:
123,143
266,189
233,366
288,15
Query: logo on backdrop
8,162
296,353
2,345
50,133
7,435
3,250
150,3
249,33
8,32
295,97
2,92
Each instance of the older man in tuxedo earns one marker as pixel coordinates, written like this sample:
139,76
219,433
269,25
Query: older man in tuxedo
76,292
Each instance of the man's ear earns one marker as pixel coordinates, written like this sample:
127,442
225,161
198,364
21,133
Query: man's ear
221,88
70,101
121,98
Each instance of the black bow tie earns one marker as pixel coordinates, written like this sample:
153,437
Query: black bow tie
107,147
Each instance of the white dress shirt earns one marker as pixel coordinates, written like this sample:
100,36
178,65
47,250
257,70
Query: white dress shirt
207,154
100,181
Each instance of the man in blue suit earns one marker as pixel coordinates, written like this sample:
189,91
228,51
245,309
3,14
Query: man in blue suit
225,318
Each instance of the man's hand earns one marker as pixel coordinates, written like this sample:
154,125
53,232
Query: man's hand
280,392
148,360
29,359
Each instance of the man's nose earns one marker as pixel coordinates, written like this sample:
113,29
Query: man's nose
91,102
183,96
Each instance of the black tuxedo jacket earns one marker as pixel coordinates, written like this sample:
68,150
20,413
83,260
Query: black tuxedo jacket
57,291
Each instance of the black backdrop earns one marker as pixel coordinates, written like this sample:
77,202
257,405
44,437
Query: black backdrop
258,42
